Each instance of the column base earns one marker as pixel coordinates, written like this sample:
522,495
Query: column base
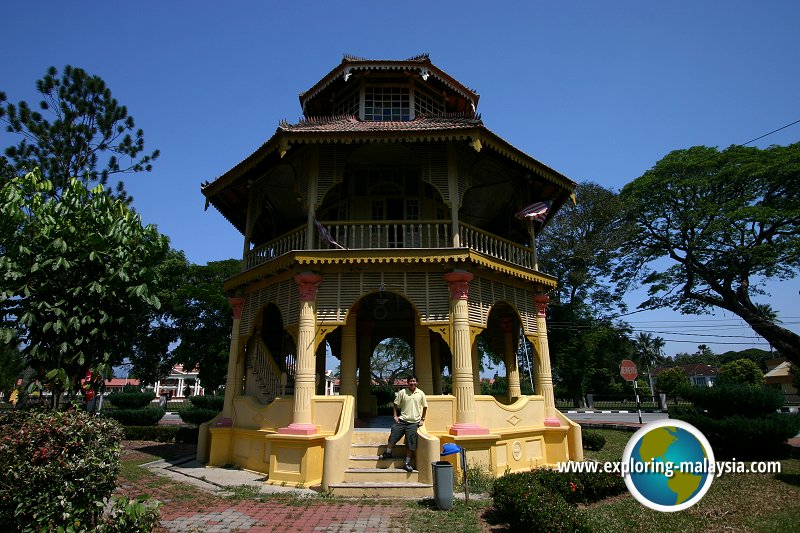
552,423
468,429
298,429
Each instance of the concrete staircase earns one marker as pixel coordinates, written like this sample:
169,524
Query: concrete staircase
368,475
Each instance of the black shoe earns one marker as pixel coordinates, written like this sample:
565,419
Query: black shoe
408,467
386,455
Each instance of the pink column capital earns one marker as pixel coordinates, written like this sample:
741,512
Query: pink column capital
541,304
458,283
237,304
307,284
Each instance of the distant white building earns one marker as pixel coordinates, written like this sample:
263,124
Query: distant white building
178,384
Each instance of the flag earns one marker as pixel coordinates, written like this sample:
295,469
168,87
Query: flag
537,211
325,235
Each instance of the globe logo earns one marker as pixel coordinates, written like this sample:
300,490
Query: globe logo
668,465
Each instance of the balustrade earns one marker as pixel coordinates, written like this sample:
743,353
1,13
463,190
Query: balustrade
422,234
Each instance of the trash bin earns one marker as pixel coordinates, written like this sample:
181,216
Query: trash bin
443,484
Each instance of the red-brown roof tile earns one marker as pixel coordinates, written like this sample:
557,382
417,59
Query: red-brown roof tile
353,123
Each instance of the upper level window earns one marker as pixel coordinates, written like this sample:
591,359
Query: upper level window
386,103
347,105
425,105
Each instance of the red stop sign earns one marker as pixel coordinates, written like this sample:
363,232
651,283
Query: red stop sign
627,369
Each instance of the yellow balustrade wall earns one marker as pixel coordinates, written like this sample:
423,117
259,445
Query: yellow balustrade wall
252,442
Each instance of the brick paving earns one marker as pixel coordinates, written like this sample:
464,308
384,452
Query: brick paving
187,508
265,517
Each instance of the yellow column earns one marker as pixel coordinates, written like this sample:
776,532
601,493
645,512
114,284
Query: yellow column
544,378
436,364
307,284
422,358
512,368
463,386
364,405
231,383
347,371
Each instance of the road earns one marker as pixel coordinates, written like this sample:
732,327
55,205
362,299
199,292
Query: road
615,417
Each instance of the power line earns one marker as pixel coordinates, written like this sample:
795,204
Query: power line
770,133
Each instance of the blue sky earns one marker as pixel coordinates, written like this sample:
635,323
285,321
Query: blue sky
597,90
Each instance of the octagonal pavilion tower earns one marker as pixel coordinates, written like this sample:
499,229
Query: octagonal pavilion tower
388,211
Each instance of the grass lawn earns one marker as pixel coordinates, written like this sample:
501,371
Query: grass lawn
735,502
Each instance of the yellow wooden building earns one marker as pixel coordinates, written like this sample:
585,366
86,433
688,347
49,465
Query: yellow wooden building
387,211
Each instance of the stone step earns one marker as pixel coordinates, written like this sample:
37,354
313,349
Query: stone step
371,436
375,461
369,450
380,475
410,489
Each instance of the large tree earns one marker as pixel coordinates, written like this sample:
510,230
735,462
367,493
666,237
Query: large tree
77,273
193,326
712,226
152,357
79,131
202,319
581,246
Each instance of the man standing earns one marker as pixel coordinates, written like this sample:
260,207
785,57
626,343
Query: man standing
412,405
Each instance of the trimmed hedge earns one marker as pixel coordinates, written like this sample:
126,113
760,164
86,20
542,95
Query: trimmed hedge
59,468
197,415
743,437
208,402
136,417
726,400
739,420
131,400
161,433
546,500
592,441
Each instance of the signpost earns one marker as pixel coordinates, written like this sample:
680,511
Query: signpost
628,371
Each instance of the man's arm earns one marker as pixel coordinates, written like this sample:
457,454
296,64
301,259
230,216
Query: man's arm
424,412
394,412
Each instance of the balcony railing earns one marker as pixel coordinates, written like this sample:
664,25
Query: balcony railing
391,234
288,242
497,247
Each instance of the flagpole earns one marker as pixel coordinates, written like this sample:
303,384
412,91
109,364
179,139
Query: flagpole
533,246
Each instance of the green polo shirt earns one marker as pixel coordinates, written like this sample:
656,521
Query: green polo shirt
410,404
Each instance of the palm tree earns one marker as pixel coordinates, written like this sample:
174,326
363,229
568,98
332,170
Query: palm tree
650,353
769,314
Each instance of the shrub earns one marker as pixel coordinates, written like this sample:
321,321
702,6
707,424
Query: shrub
599,485
743,400
131,516
671,380
58,469
580,487
593,441
545,500
740,436
136,417
530,506
131,400
742,372
197,415
187,435
208,402
161,433
152,433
